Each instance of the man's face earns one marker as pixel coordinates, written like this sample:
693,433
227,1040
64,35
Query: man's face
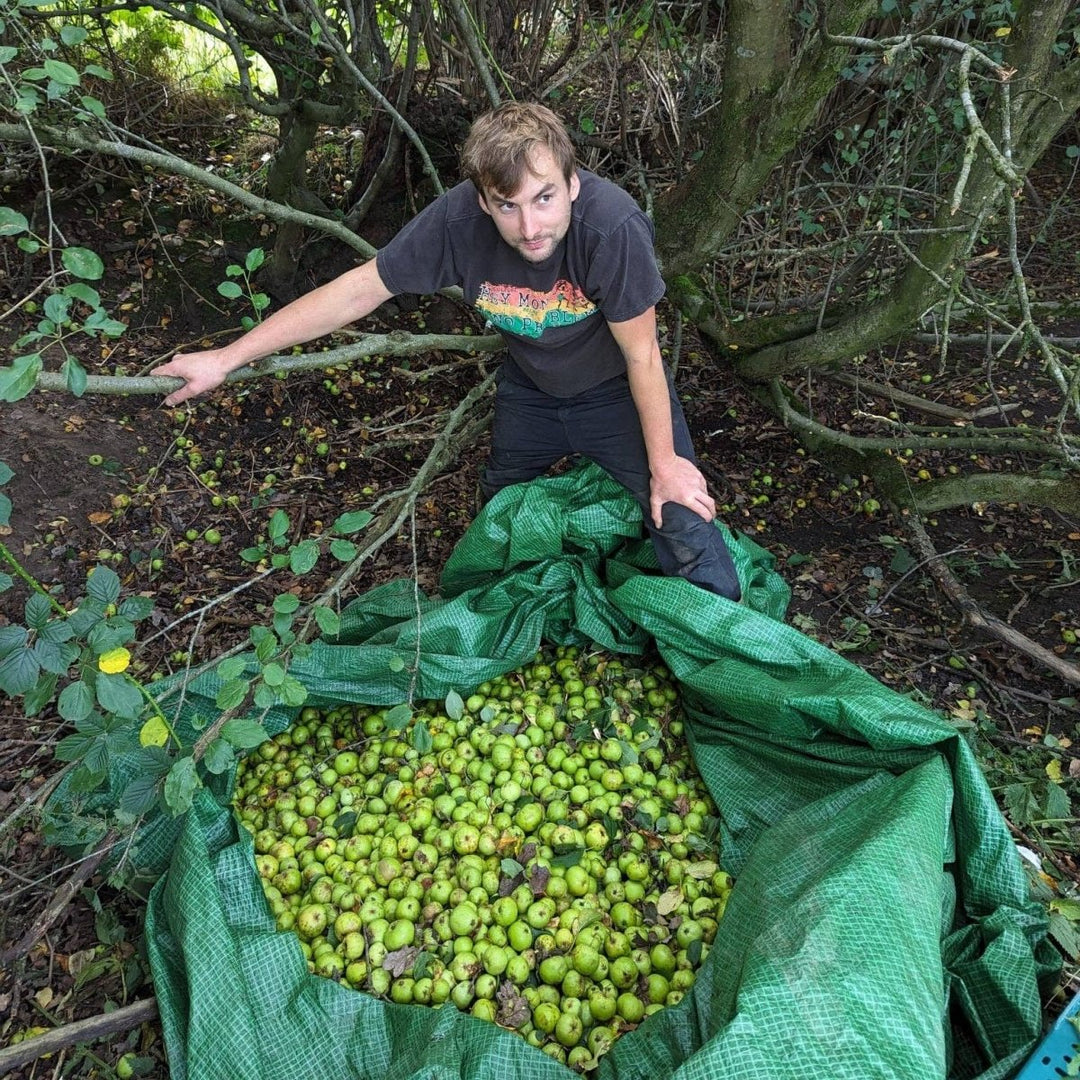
535,218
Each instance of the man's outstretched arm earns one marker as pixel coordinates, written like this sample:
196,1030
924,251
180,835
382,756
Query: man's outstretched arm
349,297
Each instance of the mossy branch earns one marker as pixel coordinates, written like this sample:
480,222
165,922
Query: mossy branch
394,344
76,139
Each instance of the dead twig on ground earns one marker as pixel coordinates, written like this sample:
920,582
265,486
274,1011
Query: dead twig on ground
972,613
94,1027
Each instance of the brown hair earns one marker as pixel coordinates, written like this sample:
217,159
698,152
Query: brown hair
496,154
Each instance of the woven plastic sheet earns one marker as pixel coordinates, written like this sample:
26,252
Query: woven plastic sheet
880,925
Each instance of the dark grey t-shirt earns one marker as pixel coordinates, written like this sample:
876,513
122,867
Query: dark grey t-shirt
553,314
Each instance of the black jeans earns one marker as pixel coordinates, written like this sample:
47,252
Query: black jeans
533,430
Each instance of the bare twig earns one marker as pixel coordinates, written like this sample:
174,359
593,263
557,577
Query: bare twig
60,901
972,613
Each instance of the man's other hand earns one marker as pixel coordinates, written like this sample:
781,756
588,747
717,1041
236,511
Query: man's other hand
680,482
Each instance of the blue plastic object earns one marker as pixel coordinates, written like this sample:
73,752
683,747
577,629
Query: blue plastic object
1058,1054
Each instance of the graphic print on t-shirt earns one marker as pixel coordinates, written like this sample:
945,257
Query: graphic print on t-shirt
528,312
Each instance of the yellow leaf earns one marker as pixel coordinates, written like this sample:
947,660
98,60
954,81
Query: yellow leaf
154,732
114,661
1003,31
44,996
1053,770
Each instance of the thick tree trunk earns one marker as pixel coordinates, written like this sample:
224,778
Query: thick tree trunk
768,102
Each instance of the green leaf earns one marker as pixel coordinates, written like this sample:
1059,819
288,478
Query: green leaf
902,561
6,580
243,733
76,702
303,557
83,263
115,694
74,747
278,525
103,586
254,259
231,694
60,72
19,671
141,795
37,611
566,859
42,694
286,603
136,607
8,53
454,706
421,737
110,634
12,638
74,377
230,290
398,717
351,522
219,757
181,785
5,474
253,554
343,550
1020,804
85,617
92,105
328,621
5,519
98,71
18,380
273,674
56,307
55,656
265,697
511,868
99,322
1058,804
73,35
1065,934
232,667
12,223
266,646
293,692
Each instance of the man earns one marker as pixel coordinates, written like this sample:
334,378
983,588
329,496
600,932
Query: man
562,263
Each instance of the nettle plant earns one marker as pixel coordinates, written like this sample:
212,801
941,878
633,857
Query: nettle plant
37,85
77,659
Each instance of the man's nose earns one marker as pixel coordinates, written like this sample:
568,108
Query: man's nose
528,222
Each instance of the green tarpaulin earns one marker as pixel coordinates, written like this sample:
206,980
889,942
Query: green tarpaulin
880,925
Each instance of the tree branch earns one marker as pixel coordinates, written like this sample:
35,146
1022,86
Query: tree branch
397,343
72,139
81,1031
970,610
